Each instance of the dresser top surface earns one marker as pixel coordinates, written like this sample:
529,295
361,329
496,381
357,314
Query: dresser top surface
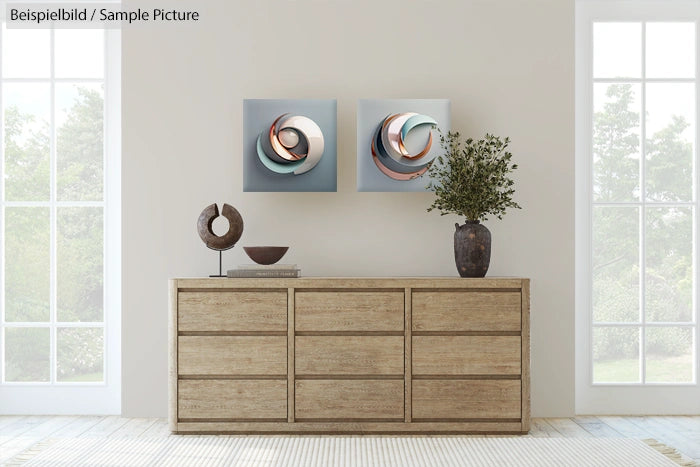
354,282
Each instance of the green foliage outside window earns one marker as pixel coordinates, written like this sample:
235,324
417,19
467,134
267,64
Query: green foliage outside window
668,231
79,241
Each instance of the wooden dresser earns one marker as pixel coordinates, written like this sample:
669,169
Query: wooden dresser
340,355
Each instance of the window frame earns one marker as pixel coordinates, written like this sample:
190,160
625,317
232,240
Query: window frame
639,397
55,397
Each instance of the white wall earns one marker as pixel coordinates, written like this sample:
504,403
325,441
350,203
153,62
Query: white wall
506,65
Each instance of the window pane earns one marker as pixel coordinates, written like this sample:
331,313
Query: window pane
616,142
79,53
617,50
27,146
615,355
669,355
80,354
79,257
18,45
615,264
79,145
669,264
27,354
670,136
27,263
670,50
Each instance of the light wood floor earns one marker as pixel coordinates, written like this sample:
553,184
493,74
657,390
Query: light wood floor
18,433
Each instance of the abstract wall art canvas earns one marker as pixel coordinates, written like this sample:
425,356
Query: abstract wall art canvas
397,141
289,145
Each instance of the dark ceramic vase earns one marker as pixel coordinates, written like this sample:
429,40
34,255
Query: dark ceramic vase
472,249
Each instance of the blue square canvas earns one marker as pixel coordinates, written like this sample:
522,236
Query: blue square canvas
289,145
397,141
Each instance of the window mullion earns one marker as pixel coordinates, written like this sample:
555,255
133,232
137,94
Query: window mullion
2,222
60,204
642,211
106,90
55,80
696,230
590,203
52,216
603,324
639,80
660,204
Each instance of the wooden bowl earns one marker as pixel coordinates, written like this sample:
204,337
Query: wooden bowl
265,254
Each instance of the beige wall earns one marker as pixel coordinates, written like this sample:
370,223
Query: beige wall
508,68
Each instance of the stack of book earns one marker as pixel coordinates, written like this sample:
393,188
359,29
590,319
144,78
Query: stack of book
261,270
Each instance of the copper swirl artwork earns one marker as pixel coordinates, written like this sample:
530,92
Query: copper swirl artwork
389,150
293,144
206,232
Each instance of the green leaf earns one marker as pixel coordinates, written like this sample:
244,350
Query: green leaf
472,177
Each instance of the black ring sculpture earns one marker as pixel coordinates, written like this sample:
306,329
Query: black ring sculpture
223,242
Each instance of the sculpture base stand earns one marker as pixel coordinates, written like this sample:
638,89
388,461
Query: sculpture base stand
220,270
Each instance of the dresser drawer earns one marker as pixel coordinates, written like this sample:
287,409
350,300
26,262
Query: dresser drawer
232,399
466,355
349,311
232,355
349,355
466,311
466,399
349,399
232,311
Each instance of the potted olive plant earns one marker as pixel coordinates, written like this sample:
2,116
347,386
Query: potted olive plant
471,179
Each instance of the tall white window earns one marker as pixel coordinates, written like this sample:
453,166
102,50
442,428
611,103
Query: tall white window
59,221
637,207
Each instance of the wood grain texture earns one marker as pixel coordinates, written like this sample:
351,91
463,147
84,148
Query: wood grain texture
597,428
349,311
172,354
408,302
349,399
357,354
525,353
213,399
466,355
134,428
290,354
232,311
569,428
232,355
14,444
466,311
355,428
347,355
105,427
466,399
351,283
